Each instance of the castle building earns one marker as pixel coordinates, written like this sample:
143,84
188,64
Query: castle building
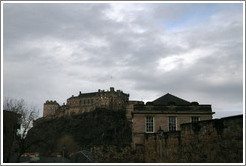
167,112
85,102
50,108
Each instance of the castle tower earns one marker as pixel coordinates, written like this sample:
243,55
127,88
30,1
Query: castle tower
50,108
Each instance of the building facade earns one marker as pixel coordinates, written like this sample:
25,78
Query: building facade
85,102
167,112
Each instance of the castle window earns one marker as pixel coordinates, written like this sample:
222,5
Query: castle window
149,124
172,123
194,119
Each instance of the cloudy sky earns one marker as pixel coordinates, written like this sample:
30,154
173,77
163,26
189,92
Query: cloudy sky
193,51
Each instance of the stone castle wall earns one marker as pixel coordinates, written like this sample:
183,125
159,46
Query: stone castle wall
212,141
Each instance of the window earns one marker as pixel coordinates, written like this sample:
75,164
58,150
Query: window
172,123
194,119
149,124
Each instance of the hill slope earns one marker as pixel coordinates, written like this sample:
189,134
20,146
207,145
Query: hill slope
80,132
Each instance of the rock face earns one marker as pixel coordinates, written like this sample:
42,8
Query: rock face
88,131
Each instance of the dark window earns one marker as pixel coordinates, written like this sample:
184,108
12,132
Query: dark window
149,124
172,123
194,119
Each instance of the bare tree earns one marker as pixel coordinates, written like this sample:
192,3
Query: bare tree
27,115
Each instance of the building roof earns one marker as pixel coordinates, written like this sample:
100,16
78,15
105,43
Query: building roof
169,99
82,95
92,94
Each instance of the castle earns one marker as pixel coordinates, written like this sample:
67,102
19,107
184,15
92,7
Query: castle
85,102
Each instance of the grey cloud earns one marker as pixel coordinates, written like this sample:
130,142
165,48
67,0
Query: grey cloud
58,49
64,21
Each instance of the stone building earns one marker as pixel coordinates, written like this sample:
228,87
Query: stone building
85,102
50,108
130,107
167,112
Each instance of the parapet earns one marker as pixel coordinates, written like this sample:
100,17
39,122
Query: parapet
51,102
173,108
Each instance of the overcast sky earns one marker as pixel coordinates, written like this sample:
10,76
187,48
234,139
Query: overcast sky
193,51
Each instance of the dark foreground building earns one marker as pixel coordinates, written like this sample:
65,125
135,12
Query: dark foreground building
10,126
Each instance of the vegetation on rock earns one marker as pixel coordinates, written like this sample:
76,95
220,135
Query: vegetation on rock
80,132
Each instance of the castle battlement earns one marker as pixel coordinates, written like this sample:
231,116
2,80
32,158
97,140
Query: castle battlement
51,102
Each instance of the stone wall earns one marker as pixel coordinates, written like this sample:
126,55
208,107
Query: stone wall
170,147
130,108
116,154
211,141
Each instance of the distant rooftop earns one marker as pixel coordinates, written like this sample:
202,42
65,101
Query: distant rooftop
169,99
